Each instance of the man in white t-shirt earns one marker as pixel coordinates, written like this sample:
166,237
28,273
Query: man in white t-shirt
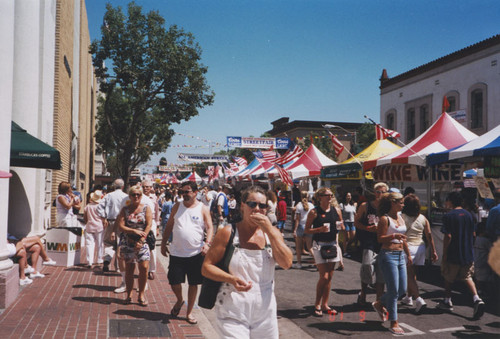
188,222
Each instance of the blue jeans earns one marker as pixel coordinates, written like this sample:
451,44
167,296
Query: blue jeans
281,224
393,266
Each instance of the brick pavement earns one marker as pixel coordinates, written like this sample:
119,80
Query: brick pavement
76,302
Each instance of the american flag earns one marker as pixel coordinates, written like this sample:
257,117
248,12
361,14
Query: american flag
210,171
337,145
234,167
384,133
285,177
241,161
265,155
290,155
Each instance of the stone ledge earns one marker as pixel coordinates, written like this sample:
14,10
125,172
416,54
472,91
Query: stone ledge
9,286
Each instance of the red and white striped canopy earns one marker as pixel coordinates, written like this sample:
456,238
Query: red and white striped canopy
310,163
444,134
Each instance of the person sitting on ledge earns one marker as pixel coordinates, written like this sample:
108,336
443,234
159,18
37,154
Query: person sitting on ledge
33,245
18,251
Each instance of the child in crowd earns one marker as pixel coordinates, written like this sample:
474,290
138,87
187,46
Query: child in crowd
482,271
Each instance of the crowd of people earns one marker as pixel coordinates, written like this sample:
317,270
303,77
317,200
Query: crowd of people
385,229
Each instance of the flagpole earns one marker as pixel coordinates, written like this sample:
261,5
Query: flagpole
397,139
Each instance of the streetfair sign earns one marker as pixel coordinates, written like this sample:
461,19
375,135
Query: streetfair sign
244,142
407,172
203,157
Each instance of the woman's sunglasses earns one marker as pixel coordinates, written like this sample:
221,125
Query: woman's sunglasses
135,195
253,204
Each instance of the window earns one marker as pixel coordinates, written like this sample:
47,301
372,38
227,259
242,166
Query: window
453,104
410,124
424,118
476,115
390,120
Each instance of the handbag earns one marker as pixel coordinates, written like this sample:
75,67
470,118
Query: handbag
210,288
328,251
151,240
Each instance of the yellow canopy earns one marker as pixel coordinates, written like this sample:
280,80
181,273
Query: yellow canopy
377,149
351,168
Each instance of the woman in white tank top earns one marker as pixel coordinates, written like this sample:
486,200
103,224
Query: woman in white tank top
392,259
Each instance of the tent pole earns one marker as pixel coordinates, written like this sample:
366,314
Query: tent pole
429,192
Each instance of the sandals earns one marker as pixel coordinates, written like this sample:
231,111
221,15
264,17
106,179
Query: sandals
397,330
317,312
175,310
329,311
192,320
380,310
127,301
142,302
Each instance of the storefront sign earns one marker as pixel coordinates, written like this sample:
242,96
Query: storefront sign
243,142
203,157
345,171
483,188
407,172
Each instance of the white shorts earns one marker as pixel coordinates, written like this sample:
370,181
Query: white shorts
318,259
417,254
11,248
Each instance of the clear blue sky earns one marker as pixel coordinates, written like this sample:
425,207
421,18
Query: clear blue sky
307,59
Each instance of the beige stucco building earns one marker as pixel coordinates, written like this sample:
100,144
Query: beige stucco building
48,89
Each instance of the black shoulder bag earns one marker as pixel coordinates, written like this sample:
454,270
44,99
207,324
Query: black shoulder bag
209,287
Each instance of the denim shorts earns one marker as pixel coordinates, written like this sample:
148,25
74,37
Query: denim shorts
349,226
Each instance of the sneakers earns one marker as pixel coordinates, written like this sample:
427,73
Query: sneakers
447,306
408,301
49,262
37,275
121,289
105,266
299,266
29,270
420,304
25,281
478,309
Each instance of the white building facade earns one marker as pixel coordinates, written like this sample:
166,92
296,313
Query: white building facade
469,78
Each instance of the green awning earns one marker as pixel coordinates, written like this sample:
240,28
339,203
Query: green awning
28,151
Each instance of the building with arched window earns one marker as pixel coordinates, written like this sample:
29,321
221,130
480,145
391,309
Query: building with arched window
410,102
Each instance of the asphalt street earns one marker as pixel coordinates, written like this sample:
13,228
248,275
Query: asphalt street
295,292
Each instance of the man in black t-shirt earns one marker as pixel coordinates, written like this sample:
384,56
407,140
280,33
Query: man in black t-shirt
458,252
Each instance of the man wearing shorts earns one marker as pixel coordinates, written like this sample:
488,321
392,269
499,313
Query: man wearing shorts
365,222
458,252
188,222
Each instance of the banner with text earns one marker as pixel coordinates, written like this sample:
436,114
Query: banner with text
406,172
203,157
244,142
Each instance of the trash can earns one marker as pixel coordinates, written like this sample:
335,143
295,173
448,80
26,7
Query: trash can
64,245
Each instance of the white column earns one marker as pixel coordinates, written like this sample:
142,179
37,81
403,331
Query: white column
26,112
6,67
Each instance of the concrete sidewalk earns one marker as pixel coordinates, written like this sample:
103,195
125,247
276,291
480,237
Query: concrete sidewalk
76,302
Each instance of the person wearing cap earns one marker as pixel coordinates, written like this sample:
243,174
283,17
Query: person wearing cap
222,205
94,227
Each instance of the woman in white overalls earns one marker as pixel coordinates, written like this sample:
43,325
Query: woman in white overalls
246,305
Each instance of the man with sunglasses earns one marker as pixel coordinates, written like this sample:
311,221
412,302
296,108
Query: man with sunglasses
366,221
188,222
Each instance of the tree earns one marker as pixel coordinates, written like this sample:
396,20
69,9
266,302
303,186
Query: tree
156,79
365,136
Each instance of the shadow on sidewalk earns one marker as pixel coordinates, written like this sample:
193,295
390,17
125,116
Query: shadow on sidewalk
154,316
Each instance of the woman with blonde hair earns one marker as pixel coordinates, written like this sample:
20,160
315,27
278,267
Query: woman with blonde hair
391,230
246,304
134,221
323,222
301,211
